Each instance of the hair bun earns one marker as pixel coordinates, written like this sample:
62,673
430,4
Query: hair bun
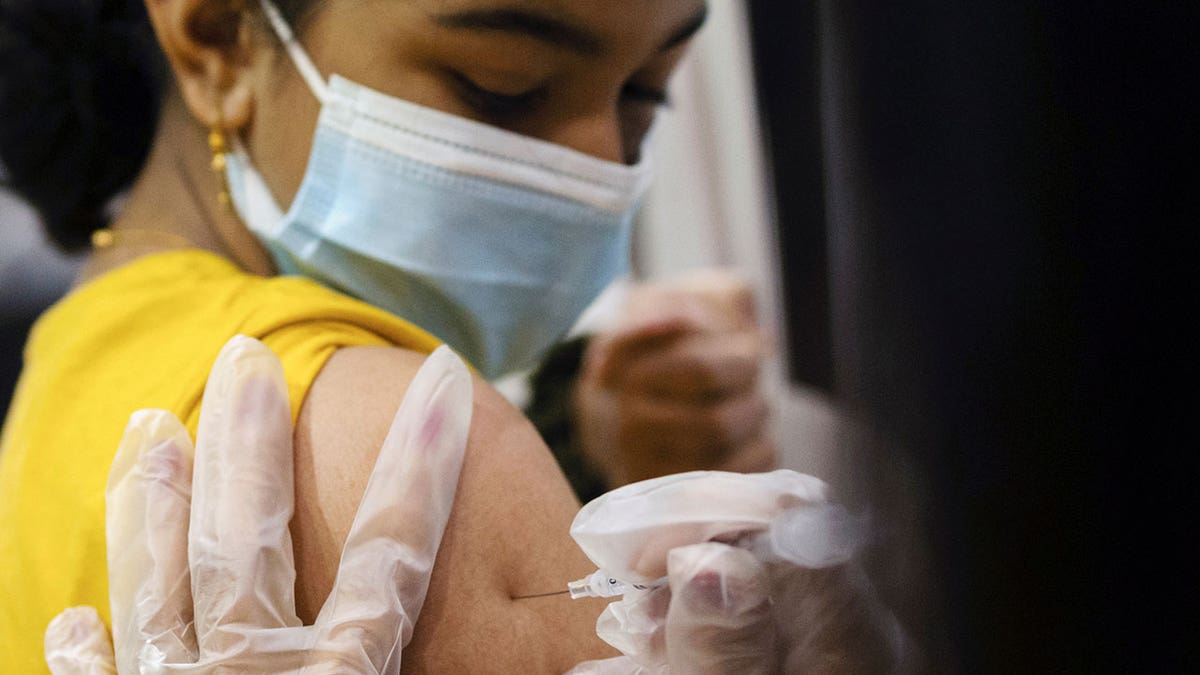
80,89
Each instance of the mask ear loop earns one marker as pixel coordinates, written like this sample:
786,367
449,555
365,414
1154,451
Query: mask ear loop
295,50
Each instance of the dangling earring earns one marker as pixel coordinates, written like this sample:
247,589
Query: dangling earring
216,143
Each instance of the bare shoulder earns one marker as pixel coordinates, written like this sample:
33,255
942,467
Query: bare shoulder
507,537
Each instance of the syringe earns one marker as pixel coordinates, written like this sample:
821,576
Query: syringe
812,536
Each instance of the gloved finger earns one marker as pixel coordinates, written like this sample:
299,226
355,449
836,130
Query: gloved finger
831,616
148,502
699,367
635,626
720,616
390,551
239,547
630,531
77,643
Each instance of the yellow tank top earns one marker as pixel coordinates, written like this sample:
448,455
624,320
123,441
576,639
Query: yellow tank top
141,336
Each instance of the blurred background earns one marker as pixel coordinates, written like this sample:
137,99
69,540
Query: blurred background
32,275
969,227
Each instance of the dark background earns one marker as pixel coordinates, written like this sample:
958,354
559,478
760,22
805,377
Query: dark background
1010,190
12,339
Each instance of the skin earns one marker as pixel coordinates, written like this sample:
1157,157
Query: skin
508,534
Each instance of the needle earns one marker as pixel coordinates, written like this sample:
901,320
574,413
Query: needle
541,595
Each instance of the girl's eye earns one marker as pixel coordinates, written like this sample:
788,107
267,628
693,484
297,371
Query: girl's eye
640,93
495,104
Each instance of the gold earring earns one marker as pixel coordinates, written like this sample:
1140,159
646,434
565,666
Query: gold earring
216,143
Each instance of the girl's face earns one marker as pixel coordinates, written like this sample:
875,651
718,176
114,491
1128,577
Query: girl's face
587,74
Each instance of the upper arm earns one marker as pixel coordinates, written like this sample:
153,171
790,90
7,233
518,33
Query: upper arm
507,535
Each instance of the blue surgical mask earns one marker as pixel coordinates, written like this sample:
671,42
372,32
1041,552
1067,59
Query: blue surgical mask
492,241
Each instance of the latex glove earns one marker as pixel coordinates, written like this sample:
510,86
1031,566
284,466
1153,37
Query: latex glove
673,386
740,608
201,574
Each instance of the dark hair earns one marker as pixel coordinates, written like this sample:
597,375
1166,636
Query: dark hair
81,87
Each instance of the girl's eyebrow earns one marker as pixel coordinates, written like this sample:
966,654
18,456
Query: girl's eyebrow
551,29
538,25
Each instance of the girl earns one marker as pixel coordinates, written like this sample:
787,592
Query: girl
463,168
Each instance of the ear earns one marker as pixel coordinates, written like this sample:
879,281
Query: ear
211,48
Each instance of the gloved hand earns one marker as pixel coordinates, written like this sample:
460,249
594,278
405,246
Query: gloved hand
759,578
673,385
201,574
